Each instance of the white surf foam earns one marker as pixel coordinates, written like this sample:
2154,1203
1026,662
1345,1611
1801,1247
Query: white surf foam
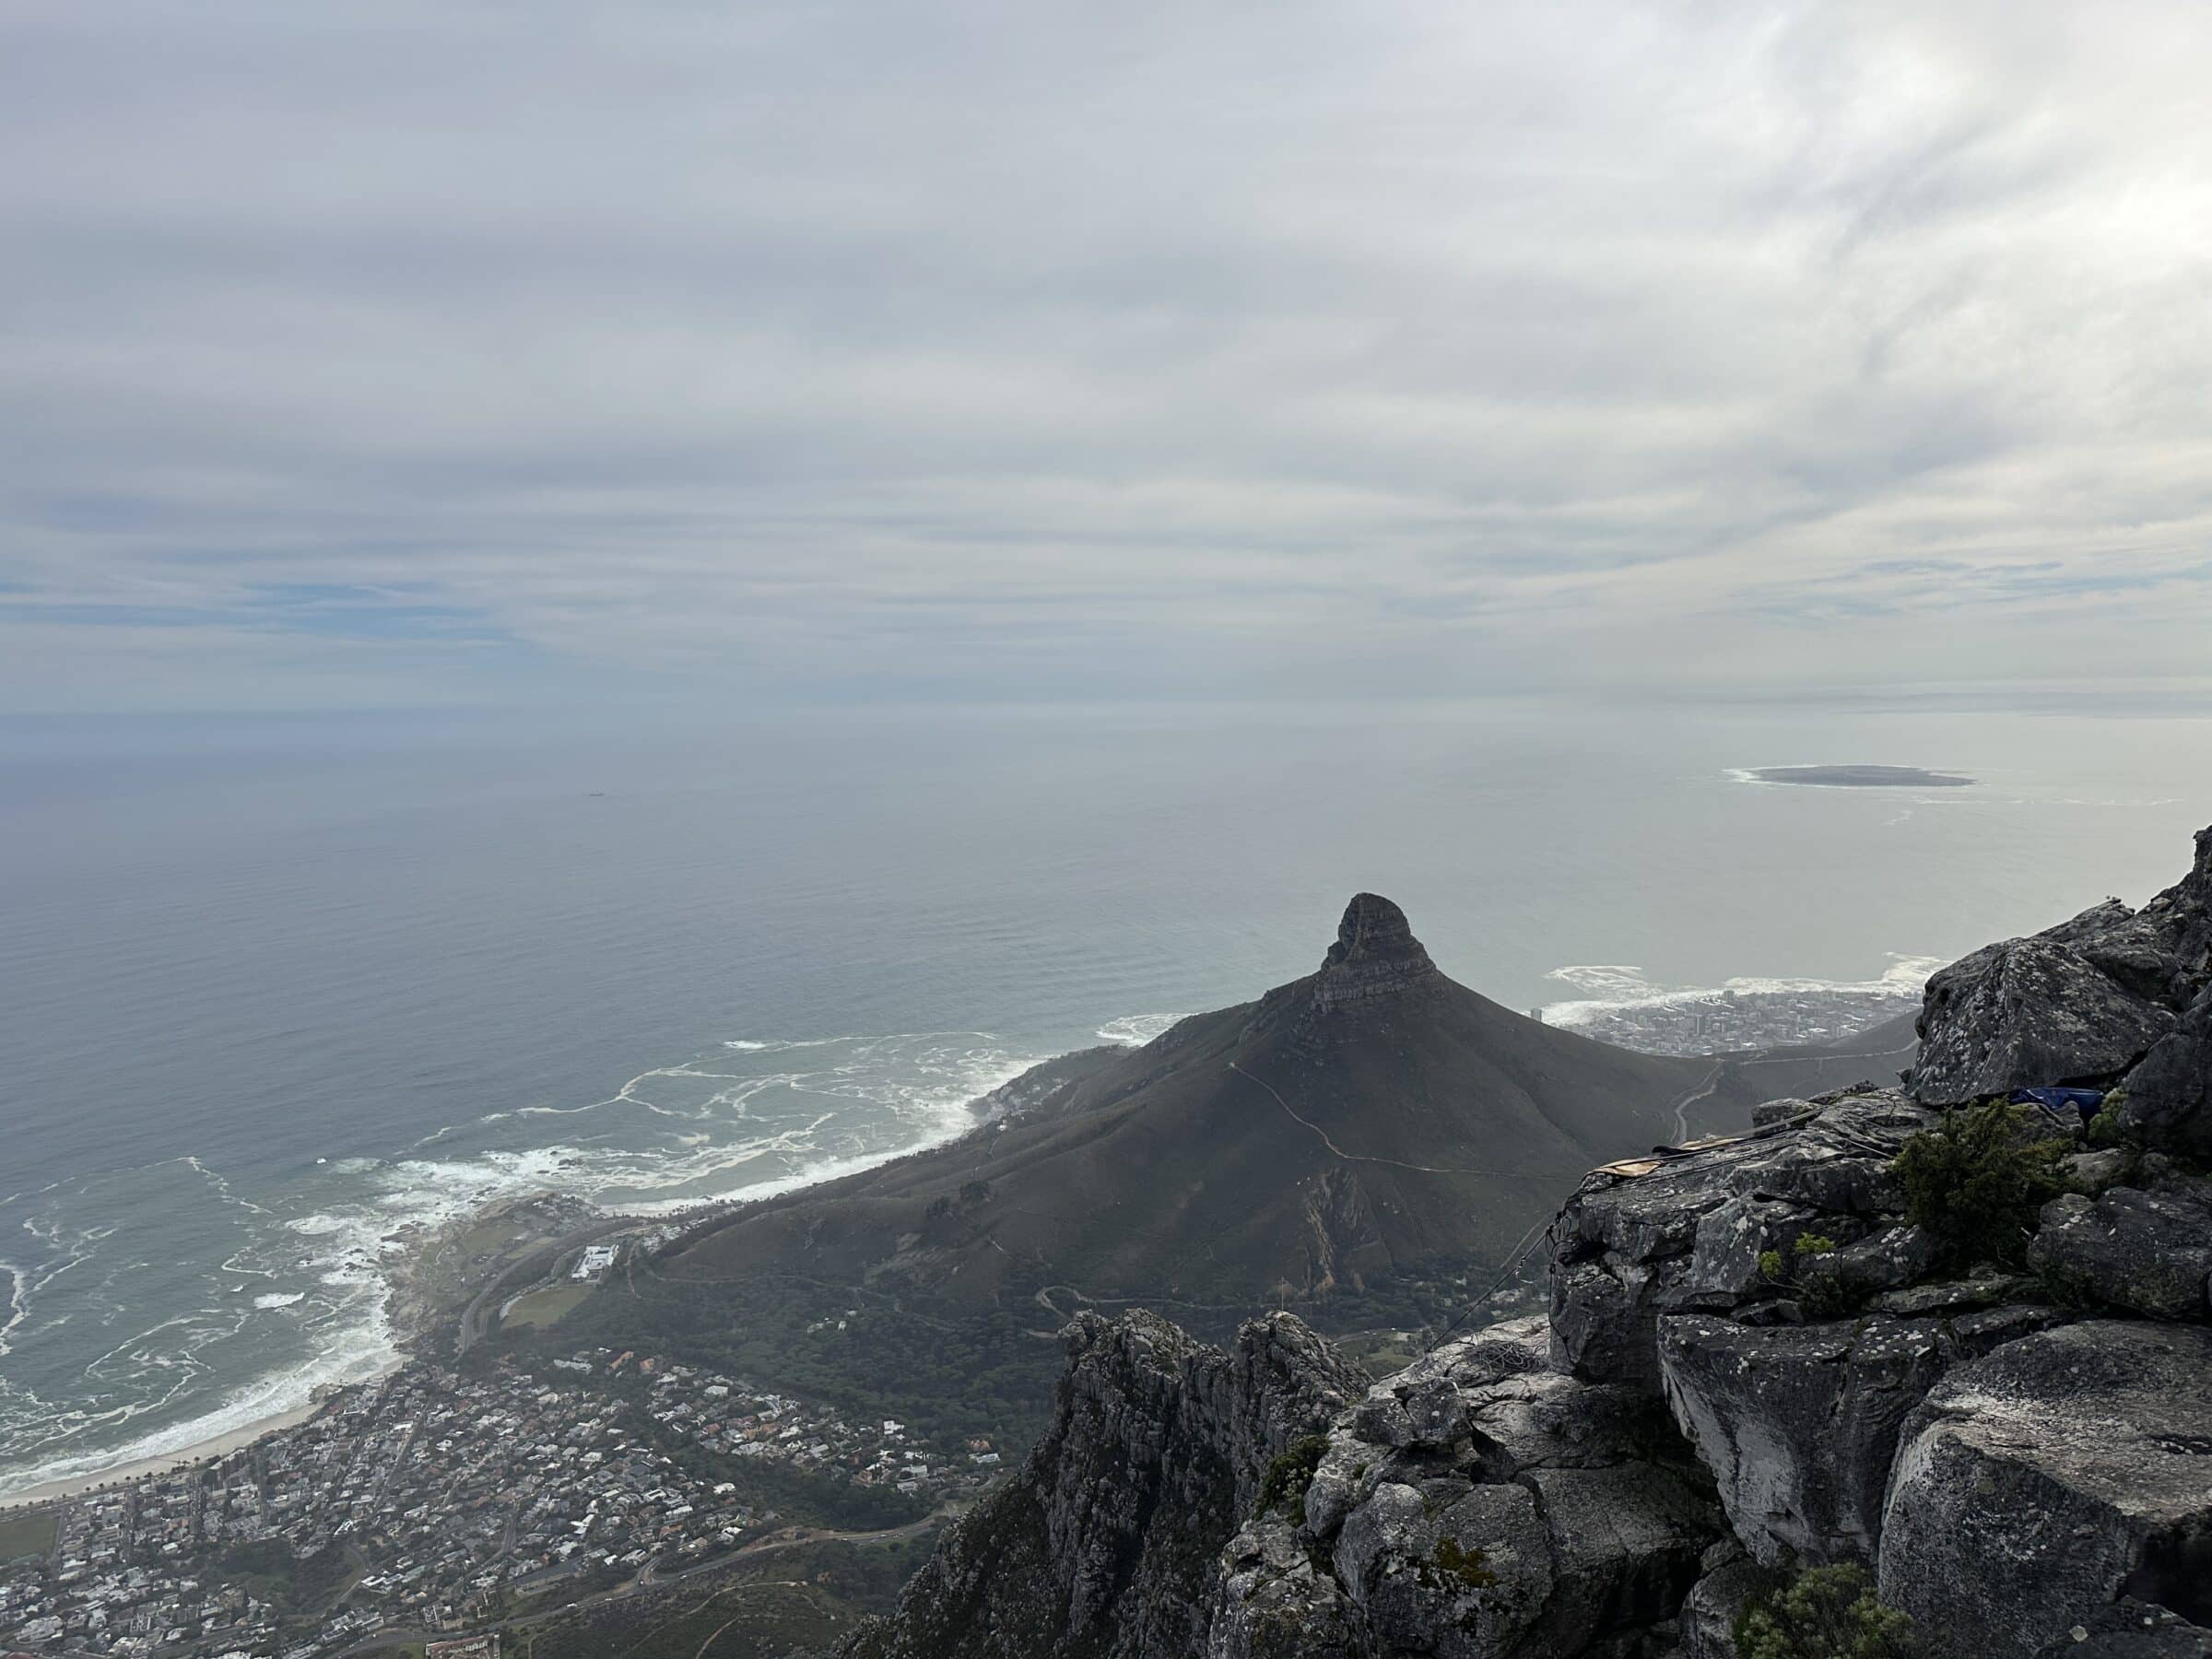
832,1107
266,1399
1136,1030
18,1303
1624,988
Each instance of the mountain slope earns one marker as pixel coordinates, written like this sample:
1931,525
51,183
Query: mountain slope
1368,1117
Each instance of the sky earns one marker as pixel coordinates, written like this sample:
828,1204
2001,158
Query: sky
387,353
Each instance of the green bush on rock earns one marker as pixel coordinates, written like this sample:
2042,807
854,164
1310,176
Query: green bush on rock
1975,1182
2105,1130
1290,1473
1823,1613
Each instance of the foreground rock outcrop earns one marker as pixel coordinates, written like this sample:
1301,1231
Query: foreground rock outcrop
1759,1358
2044,1481
1104,1544
1478,1503
2112,997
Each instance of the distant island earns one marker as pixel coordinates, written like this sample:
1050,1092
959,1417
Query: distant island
1860,777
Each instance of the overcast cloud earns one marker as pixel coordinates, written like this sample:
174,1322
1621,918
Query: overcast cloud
369,352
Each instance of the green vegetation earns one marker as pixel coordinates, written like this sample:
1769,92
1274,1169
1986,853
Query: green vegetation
1470,1567
1976,1180
1379,1354
28,1535
780,1602
547,1307
2105,1130
1290,1474
861,1352
267,1567
1802,1272
1428,1295
1823,1613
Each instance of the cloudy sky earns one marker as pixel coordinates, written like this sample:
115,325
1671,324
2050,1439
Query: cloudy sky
383,351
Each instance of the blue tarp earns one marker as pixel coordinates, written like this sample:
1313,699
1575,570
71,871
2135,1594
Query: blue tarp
2083,1100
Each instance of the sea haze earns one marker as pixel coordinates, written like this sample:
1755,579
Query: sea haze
275,990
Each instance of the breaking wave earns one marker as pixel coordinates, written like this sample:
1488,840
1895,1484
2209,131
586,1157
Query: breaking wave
1136,1030
91,1389
1617,988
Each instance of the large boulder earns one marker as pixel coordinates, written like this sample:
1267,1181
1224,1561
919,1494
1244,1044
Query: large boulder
1694,1232
2168,1103
1798,1423
2027,1013
2149,1252
2133,1630
2181,916
1476,1506
2084,1001
2037,1485
1716,1601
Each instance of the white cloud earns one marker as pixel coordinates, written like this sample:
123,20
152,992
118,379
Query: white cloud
1022,348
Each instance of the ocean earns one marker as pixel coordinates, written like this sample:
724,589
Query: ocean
273,989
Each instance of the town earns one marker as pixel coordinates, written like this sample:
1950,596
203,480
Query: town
435,1502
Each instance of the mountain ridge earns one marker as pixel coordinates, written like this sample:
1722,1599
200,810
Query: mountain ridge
1348,1125
1763,1357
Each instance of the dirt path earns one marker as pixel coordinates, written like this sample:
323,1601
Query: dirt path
1353,1157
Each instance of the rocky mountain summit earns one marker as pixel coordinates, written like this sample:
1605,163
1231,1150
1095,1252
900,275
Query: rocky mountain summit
1959,1346
1375,956
1370,1122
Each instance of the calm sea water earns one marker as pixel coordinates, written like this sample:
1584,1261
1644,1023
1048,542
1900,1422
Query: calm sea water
271,989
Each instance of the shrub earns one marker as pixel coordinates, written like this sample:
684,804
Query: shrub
1975,1182
1290,1473
1823,1613
1814,1244
2104,1129
1769,1264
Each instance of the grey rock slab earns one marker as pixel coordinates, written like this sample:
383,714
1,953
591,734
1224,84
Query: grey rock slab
2132,1630
2168,1103
1798,1424
1710,1610
1628,1543
2149,1252
2024,1014
2036,1486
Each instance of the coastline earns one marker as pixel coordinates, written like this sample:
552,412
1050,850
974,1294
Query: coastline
200,1452
423,1291
427,1286
432,1260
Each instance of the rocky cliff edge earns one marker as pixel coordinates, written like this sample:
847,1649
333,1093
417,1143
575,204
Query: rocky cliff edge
1762,1355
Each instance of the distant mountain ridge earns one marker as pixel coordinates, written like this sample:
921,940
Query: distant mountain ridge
1368,1117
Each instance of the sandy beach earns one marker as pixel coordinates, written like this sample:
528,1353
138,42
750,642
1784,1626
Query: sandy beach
203,1452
